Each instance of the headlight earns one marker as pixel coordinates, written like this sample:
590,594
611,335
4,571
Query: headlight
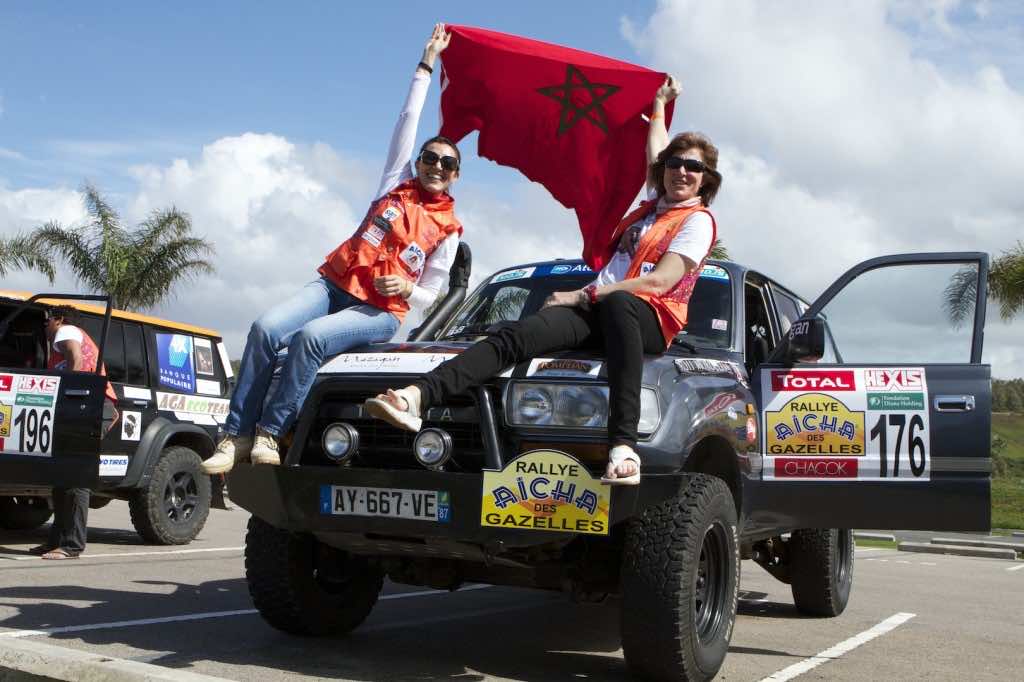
573,405
340,441
432,448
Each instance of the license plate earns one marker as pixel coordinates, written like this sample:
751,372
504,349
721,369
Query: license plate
394,503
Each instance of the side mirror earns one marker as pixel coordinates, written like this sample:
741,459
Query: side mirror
806,341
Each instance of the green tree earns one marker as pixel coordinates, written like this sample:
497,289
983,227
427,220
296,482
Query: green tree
136,268
718,251
1005,287
23,253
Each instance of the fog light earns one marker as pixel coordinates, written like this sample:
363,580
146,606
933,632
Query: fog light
432,448
340,441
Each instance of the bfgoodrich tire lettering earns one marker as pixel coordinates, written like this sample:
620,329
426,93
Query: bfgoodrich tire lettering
23,513
172,508
680,576
303,587
821,570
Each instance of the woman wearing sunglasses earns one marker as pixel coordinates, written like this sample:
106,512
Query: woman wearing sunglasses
636,305
397,259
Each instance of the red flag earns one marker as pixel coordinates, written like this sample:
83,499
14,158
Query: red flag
568,119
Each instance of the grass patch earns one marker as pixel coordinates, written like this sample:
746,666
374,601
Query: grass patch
1008,482
883,544
1007,502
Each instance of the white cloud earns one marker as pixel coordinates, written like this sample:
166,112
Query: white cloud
839,142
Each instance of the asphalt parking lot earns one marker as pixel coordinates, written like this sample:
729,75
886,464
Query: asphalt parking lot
911,616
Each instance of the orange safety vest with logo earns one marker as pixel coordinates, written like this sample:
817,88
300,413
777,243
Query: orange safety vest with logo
90,356
671,306
399,232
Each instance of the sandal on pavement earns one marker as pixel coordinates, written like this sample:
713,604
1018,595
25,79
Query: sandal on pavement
383,408
40,550
59,555
617,456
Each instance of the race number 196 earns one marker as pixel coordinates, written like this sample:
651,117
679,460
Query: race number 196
34,429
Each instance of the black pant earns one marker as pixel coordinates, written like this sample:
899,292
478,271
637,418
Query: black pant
70,514
622,324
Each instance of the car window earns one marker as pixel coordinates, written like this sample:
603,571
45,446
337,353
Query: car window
787,307
709,313
758,331
113,351
134,356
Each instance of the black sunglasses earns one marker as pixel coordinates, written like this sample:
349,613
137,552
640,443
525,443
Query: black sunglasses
691,165
429,158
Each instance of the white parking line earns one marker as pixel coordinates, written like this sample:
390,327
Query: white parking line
13,634
838,650
124,554
1015,568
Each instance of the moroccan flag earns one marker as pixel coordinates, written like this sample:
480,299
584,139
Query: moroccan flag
567,119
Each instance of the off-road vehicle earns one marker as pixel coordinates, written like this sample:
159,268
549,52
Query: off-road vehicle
56,429
759,440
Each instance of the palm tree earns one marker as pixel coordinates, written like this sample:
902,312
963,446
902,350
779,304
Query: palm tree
137,269
22,253
1005,286
718,251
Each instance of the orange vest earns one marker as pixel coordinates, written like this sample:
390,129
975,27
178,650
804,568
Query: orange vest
671,306
90,356
399,231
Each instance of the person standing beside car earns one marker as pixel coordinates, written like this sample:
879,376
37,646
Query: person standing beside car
71,349
637,304
398,258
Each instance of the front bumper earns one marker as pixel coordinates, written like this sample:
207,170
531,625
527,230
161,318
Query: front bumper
289,497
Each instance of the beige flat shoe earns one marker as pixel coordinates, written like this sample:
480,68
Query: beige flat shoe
383,407
618,455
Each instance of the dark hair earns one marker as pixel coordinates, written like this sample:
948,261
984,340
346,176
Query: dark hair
712,178
443,140
65,312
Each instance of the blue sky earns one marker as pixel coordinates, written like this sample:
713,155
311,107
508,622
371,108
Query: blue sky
847,130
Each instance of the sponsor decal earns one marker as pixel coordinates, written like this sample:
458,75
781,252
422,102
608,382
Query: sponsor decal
703,366
719,403
207,387
815,467
381,223
545,490
204,356
6,416
719,325
225,361
38,384
751,430
816,379
34,400
174,358
563,367
508,275
647,267
135,393
714,272
391,212
815,424
894,379
378,363
373,235
113,465
176,402
567,269
131,426
6,382
896,401
413,257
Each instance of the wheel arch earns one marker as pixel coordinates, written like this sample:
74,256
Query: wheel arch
714,455
160,434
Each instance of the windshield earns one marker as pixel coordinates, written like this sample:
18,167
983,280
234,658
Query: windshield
516,294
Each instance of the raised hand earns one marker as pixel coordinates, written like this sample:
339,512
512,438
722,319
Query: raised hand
436,44
669,90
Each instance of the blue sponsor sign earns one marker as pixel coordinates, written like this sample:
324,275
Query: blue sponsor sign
174,356
563,269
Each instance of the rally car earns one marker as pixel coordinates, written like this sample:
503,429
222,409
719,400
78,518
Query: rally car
758,441
56,430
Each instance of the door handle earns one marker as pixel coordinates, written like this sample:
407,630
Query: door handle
76,393
140,403
954,403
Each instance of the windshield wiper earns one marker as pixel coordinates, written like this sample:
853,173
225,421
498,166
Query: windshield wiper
685,344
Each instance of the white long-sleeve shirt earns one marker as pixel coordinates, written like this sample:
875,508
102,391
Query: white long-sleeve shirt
397,169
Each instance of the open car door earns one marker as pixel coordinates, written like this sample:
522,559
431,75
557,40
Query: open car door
50,421
890,426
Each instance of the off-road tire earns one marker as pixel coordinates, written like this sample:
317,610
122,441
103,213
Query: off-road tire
24,513
821,570
172,508
680,576
290,592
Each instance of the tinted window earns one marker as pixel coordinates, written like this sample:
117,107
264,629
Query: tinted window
709,314
113,353
134,355
789,310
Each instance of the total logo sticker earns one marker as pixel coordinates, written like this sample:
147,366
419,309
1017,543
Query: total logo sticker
820,380
6,383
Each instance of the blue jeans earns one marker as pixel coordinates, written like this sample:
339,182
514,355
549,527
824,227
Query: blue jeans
314,324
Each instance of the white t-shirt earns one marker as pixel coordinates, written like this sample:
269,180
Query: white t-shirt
692,242
66,332
397,169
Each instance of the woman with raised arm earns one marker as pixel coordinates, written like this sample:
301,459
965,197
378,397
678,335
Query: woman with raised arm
399,257
637,304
